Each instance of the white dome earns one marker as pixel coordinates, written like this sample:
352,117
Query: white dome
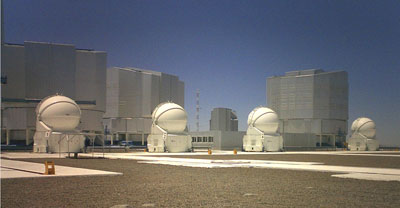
171,117
58,112
364,126
264,119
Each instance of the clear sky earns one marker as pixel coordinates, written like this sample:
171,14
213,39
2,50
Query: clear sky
227,49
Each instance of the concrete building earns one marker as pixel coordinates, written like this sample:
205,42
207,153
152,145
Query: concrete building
217,140
312,106
223,119
36,70
132,95
223,134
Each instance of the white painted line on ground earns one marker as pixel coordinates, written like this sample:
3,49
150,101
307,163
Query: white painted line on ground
375,155
367,176
20,169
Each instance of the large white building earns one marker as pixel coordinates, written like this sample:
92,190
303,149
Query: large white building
35,70
132,95
312,106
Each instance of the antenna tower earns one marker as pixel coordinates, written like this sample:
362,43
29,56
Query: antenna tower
197,108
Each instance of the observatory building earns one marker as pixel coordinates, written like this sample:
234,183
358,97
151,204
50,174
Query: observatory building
363,135
36,70
132,95
56,120
223,134
223,119
168,129
312,106
262,131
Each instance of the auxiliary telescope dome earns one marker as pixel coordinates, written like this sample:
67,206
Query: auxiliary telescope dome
264,119
364,126
59,113
171,117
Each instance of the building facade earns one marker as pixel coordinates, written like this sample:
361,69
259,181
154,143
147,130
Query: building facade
223,119
312,106
132,95
217,140
223,134
35,70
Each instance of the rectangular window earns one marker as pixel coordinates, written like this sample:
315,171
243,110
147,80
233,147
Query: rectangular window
193,139
210,139
204,139
198,139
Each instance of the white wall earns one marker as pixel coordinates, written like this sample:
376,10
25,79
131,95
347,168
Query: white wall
309,101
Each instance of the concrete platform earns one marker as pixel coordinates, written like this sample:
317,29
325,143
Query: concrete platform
21,155
363,173
151,184
20,169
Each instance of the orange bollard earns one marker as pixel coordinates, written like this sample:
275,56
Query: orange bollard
209,152
49,168
234,151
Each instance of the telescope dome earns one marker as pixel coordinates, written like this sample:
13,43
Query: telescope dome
59,113
264,119
364,126
170,116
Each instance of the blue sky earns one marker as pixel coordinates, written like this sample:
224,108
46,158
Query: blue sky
227,49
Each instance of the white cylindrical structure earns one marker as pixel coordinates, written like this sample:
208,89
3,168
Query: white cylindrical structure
264,119
171,117
59,113
365,127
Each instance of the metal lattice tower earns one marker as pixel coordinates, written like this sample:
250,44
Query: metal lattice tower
197,108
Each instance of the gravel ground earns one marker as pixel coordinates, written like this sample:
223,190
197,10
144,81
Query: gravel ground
148,185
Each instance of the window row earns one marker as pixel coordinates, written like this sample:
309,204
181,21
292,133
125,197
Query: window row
203,139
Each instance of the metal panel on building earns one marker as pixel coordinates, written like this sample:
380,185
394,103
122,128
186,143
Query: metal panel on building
132,95
112,94
181,93
13,67
310,102
50,69
36,70
90,86
223,119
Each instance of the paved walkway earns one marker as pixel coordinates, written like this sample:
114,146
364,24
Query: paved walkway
19,169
